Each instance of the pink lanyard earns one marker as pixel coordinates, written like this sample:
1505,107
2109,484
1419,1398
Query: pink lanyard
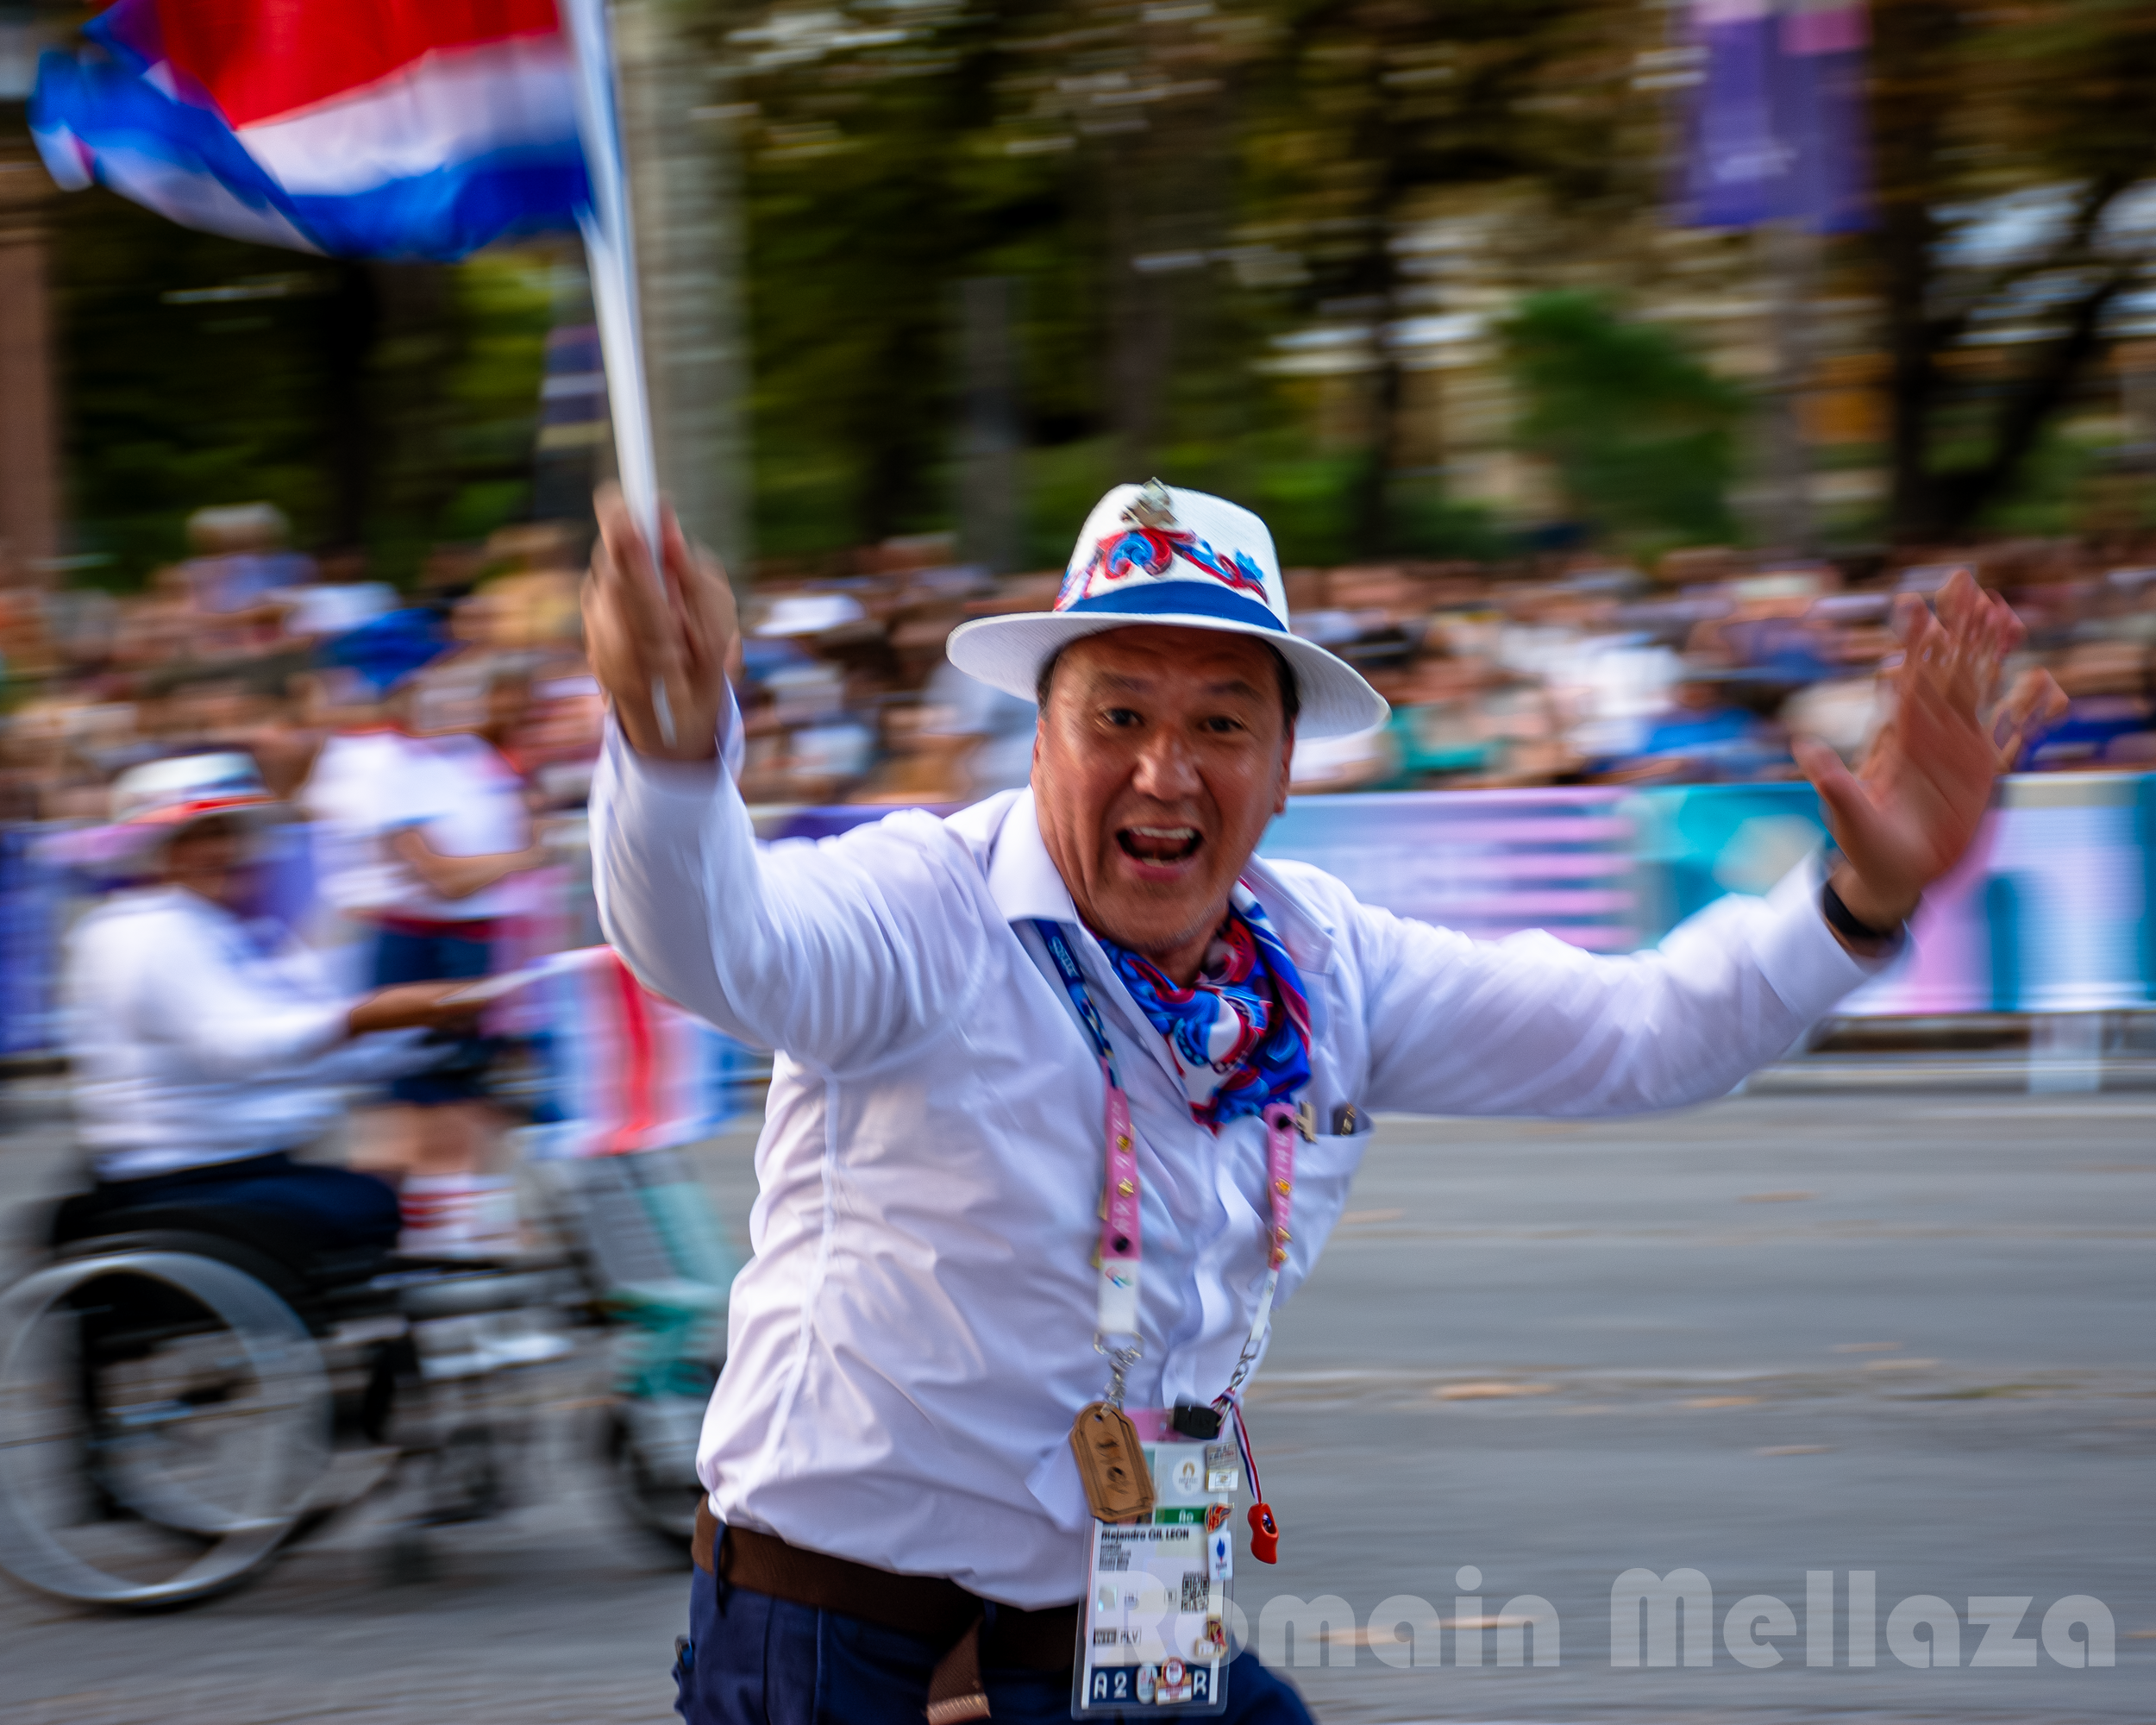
1121,1245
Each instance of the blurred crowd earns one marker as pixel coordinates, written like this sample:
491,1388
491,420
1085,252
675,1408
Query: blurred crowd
235,649
1700,668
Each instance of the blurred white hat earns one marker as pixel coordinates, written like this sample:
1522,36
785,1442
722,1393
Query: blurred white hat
810,614
225,527
1156,553
168,794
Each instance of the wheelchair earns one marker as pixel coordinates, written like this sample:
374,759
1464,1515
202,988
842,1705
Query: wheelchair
183,1394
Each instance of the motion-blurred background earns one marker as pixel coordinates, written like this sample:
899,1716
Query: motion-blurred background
1604,367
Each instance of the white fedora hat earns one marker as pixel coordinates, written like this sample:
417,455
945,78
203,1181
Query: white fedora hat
1154,553
174,792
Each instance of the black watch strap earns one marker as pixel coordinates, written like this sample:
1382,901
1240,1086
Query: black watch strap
1843,921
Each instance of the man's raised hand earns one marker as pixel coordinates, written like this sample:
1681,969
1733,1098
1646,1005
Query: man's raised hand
1906,817
641,638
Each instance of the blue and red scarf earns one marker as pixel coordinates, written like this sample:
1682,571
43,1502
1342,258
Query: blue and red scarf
1241,1032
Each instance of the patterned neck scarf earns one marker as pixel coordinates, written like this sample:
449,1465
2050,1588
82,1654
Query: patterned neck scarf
1241,1032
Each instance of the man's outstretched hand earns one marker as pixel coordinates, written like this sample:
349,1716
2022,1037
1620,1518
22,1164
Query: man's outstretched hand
641,638
1904,819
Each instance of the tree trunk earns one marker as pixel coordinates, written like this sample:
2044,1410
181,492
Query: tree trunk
1959,497
990,498
1915,85
30,418
1910,91
686,210
354,322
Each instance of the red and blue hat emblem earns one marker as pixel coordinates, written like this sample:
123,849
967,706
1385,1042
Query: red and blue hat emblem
1149,547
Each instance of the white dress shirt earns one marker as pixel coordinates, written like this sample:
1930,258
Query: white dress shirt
349,799
455,790
190,1045
915,1335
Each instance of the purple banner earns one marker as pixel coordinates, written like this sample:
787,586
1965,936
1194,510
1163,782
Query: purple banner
1778,127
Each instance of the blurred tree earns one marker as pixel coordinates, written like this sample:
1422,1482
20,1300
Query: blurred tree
1171,183
390,405
197,372
1641,434
1084,150
2012,142
1373,105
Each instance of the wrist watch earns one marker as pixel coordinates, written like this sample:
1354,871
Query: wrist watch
1876,943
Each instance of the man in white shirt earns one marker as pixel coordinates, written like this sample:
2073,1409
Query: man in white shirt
900,1513
207,1045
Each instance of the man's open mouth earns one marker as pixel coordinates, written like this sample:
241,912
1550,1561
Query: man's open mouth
1159,844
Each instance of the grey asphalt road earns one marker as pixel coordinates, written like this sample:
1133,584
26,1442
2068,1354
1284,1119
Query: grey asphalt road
1903,1335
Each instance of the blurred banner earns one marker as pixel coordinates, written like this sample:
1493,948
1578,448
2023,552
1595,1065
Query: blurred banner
1487,863
34,907
383,128
2051,911
1777,130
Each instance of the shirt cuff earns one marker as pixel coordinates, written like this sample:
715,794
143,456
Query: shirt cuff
694,780
1798,954
319,1031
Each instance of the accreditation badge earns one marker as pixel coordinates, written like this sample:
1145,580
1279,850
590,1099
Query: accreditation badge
1152,1636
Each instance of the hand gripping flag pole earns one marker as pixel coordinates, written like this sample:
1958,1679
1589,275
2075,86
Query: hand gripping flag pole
610,256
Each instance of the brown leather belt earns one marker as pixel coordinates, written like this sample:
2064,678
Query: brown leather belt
937,1611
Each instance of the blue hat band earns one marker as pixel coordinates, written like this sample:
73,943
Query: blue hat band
1177,598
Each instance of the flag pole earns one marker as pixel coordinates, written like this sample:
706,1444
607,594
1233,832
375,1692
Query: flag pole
609,253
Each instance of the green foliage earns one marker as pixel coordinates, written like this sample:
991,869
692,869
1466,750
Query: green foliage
2050,491
172,402
871,189
2053,101
390,404
454,408
1642,435
1171,187
1425,522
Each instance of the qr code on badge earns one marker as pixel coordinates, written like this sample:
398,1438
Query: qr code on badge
1197,1590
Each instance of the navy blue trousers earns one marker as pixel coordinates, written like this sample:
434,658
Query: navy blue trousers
322,1208
402,957
756,1660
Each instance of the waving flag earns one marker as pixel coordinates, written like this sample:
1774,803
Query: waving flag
395,129
370,128
626,1070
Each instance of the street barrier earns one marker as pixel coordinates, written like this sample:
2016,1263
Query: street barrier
2053,911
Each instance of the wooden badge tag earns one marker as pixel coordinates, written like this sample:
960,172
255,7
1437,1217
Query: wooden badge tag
1119,1485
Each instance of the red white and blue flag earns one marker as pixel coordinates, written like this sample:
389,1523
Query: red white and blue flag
396,129
626,1070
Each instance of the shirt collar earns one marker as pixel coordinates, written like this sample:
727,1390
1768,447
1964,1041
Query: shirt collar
1023,878
1024,881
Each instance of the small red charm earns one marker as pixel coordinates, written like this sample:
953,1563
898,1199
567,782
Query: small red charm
1264,1534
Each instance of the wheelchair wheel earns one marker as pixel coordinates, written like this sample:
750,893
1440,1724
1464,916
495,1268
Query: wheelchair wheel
163,1419
650,1452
